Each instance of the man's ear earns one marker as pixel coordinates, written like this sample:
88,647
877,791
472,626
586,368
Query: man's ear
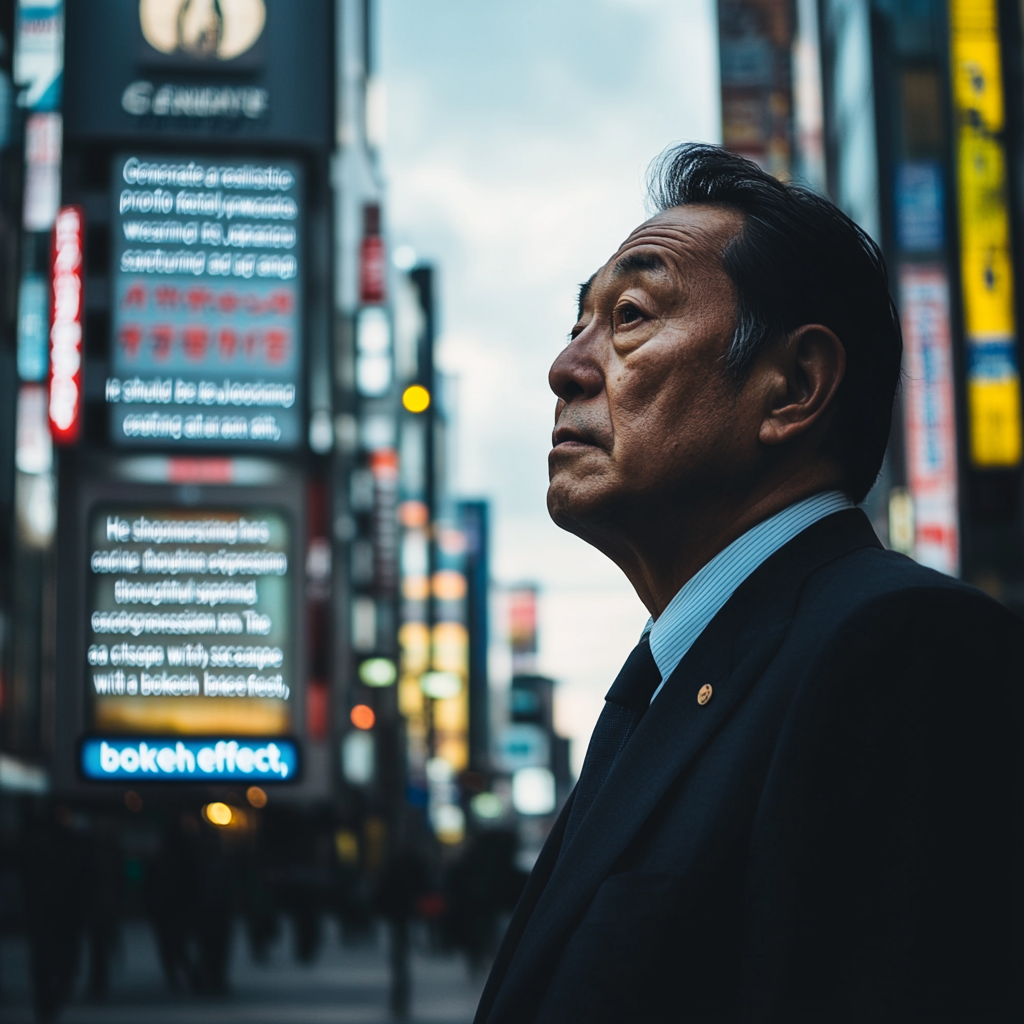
806,371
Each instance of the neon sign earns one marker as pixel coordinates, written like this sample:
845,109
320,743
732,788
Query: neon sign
207,289
189,760
65,406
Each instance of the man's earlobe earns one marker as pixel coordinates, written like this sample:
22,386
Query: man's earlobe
809,367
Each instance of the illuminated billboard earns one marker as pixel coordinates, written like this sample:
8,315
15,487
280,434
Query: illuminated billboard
929,407
188,628
206,293
65,406
176,760
986,257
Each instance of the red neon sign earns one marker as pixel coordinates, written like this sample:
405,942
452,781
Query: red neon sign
372,270
372,260
65,407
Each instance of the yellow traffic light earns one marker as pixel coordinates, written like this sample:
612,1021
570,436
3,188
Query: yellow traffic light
416,398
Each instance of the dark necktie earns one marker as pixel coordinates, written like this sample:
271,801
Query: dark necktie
625,704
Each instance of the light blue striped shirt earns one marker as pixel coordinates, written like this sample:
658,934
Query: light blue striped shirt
702,596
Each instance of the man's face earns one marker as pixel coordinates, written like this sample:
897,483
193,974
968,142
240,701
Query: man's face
648,415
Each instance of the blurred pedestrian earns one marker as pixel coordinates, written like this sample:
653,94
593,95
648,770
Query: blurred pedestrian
55,875
105,898
401,883
189,898
170,886
804,798
483,883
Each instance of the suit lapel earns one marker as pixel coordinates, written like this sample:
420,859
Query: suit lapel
730,654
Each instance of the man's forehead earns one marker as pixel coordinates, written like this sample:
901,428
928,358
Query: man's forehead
669,242
684,232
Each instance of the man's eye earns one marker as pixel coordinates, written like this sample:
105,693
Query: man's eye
627,314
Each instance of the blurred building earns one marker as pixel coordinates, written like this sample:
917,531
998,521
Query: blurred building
918,107
240,606
531,759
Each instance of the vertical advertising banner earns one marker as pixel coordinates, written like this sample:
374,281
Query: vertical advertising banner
522,628
65,407
207,303
986,263
189,637
755,39
448,682
930,415
39,53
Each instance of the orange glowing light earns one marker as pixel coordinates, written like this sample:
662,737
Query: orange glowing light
218,814
363,717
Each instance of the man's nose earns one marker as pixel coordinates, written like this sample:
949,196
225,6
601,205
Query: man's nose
576,372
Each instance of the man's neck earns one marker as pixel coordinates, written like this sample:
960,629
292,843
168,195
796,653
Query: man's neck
660,551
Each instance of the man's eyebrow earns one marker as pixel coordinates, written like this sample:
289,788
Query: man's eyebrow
584,292
635,262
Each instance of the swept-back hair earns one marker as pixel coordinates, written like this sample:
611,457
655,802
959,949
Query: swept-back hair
798,259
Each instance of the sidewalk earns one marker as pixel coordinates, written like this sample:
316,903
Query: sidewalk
343,986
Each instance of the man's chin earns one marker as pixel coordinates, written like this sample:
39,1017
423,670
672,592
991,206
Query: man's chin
574,506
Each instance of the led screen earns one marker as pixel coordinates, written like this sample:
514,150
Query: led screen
206,302
189,622
175,760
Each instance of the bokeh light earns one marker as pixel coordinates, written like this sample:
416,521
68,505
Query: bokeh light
416,398
218,814
363,717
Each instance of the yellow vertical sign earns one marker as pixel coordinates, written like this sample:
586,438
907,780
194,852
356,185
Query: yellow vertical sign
986,263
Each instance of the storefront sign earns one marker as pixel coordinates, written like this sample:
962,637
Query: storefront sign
755,49
195,69
39,53
986,262
66,327
188,622
177,760
143,98
43,147
930,410
207,292
919,206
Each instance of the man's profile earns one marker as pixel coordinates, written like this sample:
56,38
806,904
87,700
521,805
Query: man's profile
804,799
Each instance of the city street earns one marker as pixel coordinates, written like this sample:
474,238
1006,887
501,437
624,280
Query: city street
333,506
345,985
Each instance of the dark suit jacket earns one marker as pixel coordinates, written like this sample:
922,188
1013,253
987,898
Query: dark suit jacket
836,836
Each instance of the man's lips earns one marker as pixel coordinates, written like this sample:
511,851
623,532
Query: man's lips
567,437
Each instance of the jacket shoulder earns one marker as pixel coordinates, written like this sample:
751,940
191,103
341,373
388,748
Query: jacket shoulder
874,583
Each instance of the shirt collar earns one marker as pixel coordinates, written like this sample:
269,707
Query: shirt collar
702,596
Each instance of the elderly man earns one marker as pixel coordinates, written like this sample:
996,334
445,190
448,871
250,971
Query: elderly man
804,799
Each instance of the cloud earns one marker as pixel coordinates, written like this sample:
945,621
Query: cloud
519,134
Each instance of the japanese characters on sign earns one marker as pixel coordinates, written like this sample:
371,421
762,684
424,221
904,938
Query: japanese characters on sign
207,303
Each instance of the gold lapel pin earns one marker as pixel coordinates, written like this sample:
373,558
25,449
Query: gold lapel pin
704,694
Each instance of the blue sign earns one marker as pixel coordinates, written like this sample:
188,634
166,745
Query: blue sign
920,225
39,53
991,360
33,328
119,758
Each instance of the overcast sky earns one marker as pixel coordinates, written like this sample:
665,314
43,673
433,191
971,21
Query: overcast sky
518,135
